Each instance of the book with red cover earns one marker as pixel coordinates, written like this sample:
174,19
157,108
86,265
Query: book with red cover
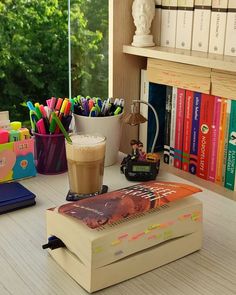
179,128
204,140
117,205
188,113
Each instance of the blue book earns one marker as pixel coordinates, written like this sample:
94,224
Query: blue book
14,196
194,133
157,98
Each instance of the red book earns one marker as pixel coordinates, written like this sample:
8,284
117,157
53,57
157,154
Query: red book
204,140
188,114
179,128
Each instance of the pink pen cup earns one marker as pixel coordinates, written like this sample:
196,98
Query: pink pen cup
50,154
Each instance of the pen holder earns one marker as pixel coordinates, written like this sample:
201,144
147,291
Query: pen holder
109,126
50,153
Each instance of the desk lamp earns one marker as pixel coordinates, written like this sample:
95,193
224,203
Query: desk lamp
147,168
135,118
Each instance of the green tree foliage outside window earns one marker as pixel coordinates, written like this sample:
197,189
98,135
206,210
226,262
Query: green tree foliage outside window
34,51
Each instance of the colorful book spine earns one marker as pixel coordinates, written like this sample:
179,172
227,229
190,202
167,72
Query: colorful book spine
179,128
228,110
204,140
222,135
194,133
187,129
231,154
214,139
167,125
172,126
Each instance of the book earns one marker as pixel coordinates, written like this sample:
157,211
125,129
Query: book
221,138
230,182
193,159
230,35
228,110
172,125
179,128
204,141
218,26
118,235
188,113
214,139
156,23
201,25
143,108
15,196
168,23
167,124
184,24
157,98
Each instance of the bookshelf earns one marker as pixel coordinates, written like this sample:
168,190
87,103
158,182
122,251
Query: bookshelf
125,63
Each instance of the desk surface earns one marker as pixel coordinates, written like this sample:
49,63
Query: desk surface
27,269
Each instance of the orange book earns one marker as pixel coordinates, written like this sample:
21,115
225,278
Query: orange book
222,134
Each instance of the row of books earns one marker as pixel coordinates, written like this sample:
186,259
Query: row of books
202,25
200,135
197,131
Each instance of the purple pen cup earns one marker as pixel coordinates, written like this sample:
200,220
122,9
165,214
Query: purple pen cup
50,153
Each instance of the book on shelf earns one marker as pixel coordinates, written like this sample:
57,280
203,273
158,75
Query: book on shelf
193,159
184,24
230,181
204,142
157,98
218,26
228,110
201,25
143,108
178,154
214,138
172,125
230,35
166,156
221,142
156,24
168,23
121,234
155,94
188,114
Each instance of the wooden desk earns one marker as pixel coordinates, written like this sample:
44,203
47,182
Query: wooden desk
27,269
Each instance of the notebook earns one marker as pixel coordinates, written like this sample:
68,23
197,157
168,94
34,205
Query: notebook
14,196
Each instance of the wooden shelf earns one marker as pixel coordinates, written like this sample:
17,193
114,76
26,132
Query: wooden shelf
214,61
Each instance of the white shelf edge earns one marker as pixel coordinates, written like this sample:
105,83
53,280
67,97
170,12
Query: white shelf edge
214,61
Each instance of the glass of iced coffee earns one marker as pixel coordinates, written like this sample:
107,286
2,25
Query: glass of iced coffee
85,160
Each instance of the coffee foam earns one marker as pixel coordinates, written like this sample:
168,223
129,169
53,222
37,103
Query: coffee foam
86,148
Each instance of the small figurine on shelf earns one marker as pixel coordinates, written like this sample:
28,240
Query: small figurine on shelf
143,12
142,154
135,150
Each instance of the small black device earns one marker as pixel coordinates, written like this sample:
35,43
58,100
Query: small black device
140,170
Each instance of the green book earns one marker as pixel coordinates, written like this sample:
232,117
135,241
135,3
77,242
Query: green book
230,181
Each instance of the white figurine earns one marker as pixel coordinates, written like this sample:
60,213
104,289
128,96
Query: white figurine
143,12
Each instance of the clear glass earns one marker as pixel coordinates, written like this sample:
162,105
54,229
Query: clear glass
85,160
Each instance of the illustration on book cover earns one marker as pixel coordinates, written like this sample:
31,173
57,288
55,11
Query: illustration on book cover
126,202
